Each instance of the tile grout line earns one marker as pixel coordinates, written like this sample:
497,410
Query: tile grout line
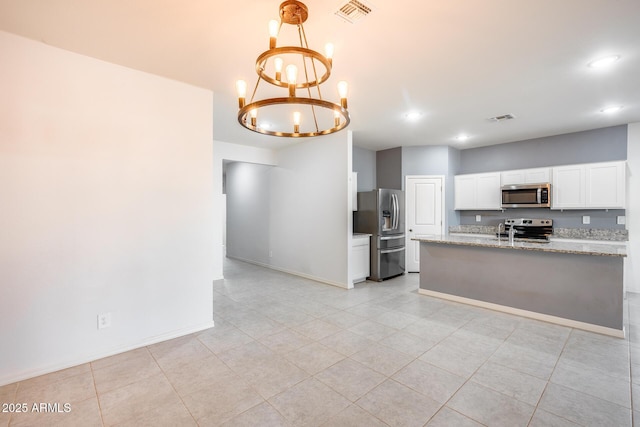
555,365
95,389
469,378
171,384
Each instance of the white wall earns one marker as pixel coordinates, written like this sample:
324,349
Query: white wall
249,211
106,197
296,216
232,152
311,217
632,263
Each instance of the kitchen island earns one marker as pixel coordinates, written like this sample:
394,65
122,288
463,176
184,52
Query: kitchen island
577,284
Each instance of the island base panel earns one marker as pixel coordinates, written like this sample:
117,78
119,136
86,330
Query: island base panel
583,288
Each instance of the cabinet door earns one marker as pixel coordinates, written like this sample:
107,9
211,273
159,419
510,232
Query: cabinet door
512,177
605,185
537,176
465,191
360,260
526,176
488,195
568,188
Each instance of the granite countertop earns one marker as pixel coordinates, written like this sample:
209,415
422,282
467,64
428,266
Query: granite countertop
603,234
580,248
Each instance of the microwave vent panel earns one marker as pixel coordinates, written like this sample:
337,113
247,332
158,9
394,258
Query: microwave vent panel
354,10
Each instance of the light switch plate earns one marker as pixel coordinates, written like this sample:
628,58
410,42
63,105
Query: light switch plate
586,219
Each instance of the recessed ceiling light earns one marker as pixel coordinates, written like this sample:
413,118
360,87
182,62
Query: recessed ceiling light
413,116
612,109
462,138
604,61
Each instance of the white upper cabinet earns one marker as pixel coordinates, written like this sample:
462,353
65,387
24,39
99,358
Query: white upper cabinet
567,191
465,191
605,185
526,176
477,191
589,186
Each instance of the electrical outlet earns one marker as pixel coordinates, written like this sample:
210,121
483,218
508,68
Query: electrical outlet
586,219
104,320
271,253
478,218
621,220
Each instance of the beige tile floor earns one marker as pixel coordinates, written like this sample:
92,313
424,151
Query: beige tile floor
286,351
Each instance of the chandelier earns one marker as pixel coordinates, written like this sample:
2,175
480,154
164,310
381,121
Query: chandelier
283,115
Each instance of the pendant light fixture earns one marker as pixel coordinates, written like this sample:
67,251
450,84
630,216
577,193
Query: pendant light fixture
301,111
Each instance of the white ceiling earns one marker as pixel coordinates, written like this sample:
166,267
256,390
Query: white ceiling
459,62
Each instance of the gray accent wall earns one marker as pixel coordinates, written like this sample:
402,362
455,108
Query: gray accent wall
389,168
606,219
434,160
598,145
364,163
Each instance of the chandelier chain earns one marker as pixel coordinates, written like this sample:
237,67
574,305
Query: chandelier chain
303,42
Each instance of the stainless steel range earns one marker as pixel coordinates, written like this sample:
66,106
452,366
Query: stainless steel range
528,229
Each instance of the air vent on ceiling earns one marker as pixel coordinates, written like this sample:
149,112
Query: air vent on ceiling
502,118
353,10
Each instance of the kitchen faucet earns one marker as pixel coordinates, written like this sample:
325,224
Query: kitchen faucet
512,233
500,227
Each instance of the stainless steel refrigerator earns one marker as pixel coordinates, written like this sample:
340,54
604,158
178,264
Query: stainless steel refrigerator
381,214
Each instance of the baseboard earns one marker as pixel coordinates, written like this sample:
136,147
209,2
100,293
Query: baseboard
294,273
530,314
31,373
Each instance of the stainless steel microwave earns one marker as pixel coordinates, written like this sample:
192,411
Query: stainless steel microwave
526,196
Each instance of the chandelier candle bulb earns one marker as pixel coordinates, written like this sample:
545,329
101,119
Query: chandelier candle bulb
241,87
274,27
278,62
328,50
292,76
343,89
336,118
296,122
254,116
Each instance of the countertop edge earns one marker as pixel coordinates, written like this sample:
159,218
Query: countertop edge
587,248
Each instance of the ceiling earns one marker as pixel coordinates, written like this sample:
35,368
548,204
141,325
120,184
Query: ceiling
457,62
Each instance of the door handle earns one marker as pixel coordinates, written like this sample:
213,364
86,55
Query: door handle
410,230
390,251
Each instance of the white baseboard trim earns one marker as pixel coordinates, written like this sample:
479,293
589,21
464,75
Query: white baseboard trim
31,373
294,273
526,313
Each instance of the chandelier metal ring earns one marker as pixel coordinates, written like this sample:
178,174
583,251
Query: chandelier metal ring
243,113
292,50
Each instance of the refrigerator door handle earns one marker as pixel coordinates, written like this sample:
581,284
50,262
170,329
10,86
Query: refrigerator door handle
394,204
388,251
395,236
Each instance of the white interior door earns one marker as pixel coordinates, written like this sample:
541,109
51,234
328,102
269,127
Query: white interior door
424,198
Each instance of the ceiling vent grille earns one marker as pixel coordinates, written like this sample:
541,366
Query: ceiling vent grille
354,10
502,118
